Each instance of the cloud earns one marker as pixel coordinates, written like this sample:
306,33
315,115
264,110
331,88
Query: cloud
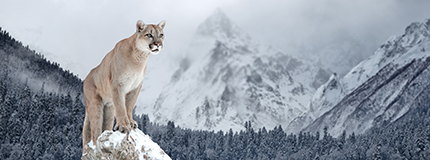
78,33
300,21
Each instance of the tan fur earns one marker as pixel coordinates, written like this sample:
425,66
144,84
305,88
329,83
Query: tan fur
111,88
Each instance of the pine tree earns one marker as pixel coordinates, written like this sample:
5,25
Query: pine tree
419,145
5,112
341,141
220,143
377,153
317,136
229,149
326,142
15,128
264,147
170,134
352,138
35,109
68,152
28,152
24,102
16,153
38,150
5,150
77,120
144,123
3,89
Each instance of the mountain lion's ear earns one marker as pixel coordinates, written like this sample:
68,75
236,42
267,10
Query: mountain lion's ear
162,24
140,26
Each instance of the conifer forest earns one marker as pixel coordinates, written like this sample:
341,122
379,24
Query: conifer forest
42,112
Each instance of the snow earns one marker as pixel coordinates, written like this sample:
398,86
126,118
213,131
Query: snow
323,100
142,142
264,86
90,144
372,88
388,53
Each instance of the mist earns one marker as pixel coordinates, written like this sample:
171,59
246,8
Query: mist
79,33
298,21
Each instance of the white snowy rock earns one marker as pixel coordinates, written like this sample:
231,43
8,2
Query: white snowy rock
116,145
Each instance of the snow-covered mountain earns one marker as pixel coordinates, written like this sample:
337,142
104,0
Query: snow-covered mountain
377,91
323,100
226,79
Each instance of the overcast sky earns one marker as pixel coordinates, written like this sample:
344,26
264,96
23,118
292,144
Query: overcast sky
78,33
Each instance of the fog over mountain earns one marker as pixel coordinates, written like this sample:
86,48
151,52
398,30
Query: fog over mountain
226,79
65,31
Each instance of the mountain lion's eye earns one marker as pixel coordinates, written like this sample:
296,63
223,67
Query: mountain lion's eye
161,35
149,35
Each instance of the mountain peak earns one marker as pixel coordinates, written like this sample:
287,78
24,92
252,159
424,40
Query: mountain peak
219,26
219,14
423,27
416,32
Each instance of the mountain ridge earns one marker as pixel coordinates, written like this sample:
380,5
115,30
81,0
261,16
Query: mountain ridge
383,81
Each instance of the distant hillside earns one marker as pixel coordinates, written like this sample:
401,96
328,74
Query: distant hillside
23,65
41,109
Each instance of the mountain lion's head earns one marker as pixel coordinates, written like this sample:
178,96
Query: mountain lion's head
150,37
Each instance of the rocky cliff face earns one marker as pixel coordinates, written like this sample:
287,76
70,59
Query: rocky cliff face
115,146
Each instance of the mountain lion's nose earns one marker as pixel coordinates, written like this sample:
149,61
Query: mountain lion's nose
158,44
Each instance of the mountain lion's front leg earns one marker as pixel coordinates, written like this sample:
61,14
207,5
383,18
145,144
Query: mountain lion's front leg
130,101
122,122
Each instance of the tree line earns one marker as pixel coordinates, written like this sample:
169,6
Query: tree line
41,124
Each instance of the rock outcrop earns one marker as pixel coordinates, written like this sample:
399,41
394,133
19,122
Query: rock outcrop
118,146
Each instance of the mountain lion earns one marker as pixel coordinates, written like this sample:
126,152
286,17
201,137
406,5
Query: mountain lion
111,88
